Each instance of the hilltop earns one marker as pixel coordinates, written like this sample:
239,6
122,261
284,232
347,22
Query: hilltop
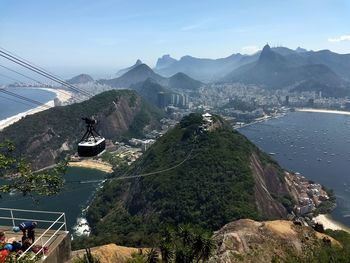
213,175
181,81
81,79
124,70
276,241
136,74
119,113
250,241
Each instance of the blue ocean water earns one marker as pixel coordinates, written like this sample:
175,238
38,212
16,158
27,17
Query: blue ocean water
9,107
72,200
317,145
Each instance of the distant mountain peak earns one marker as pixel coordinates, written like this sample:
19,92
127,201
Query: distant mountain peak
267,55
123,71
167,56
266,48
300,50
165,61
141,66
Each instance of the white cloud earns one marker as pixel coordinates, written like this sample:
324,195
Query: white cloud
339,39
198,24
249,49
191,27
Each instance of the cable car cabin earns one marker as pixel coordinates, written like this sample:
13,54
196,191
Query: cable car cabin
92,143
91,147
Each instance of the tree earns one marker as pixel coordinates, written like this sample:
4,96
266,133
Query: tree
152,256
20,177
186,245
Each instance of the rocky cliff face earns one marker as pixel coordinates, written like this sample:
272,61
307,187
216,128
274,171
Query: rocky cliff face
268,185
270,241
45,137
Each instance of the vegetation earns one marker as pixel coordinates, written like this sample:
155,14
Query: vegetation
210,184
184,244
63,125
326,252
114,160
22,178
327,206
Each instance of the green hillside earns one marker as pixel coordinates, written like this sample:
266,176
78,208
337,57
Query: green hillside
209,182
46,136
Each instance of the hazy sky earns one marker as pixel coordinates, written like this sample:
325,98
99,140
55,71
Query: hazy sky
100,36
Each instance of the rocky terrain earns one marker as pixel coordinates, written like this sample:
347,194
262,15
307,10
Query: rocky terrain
269,241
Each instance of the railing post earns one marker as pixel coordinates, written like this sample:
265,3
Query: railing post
13,221
65,223
42,248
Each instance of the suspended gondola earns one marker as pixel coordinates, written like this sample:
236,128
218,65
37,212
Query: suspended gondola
92,143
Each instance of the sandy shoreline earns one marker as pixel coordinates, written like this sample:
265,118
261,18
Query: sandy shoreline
323,111
92,164
329,223
62,95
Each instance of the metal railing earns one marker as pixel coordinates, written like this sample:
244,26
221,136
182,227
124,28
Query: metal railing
56,225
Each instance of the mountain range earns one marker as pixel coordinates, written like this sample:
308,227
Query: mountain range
142,72
271,68
211,70
275,71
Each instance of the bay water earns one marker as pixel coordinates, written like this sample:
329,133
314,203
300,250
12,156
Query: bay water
317,145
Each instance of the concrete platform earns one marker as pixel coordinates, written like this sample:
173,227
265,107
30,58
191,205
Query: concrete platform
59,247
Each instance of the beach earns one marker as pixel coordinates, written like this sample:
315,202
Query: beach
323,111
62,95
92,164
329,223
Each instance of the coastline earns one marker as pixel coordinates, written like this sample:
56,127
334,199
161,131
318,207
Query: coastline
62,97
92,164
329,223
322,111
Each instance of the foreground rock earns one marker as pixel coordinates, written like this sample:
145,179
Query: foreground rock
251,241
110,253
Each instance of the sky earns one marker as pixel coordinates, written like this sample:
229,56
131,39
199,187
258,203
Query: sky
99,37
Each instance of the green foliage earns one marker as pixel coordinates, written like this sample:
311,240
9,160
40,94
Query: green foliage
152,256
23,179
137,258
49,129
325,252
114,160
186,244
212,187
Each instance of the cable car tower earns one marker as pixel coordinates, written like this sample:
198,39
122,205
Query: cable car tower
92,142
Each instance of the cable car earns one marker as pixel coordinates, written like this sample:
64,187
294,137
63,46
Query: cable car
92,143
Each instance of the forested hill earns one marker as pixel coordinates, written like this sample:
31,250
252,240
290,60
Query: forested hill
46,136
211,178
